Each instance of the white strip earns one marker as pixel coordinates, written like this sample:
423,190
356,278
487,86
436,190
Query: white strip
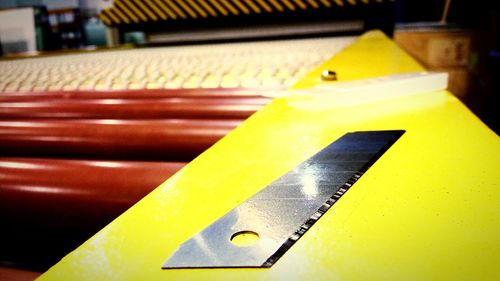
392,85
377,89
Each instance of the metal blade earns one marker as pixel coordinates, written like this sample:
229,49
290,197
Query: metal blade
283,211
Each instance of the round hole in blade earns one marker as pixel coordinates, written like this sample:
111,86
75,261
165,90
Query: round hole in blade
245,238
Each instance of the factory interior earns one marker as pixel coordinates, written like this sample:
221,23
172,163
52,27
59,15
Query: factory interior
249,139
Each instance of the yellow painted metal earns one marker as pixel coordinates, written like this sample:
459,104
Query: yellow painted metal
326,3
229,6
197,8
126,10
219,7
241,7
166,9
134,9
186,8
176,9
252,6
428,209
118,13
374,55
144,7
264,5
111,15
289,5
313,4
339,3
156,9
208,8
300,4
105,19
276,5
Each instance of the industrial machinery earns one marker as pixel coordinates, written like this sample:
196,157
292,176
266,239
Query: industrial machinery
361,167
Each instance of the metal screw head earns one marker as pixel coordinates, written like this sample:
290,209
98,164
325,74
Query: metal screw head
328,75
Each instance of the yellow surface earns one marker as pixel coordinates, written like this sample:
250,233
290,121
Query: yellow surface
374,55
428,209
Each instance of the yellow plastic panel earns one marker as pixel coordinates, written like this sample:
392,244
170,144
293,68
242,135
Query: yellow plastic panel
428,209
371,56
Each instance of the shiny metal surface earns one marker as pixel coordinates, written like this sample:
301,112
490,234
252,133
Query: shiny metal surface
154,108
50,206
43,189
328,75
154,139
282,212
232,94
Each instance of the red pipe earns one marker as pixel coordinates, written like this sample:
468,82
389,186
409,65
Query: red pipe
77,188
141,94
133,108
12,274
49,207
23,97
166,140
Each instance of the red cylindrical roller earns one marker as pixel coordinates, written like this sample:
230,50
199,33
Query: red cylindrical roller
13,274
48,207
21,97
142,94
77,188
133,108
112,139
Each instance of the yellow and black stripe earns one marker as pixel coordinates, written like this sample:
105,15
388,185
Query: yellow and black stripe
143,11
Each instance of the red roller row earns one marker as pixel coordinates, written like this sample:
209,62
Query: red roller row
167,140
142,94
131,109
13,274
70,162
34,187
50,206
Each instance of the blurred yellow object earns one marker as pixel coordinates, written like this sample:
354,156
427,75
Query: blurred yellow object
428,209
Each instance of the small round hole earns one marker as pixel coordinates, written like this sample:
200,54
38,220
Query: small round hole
245,238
